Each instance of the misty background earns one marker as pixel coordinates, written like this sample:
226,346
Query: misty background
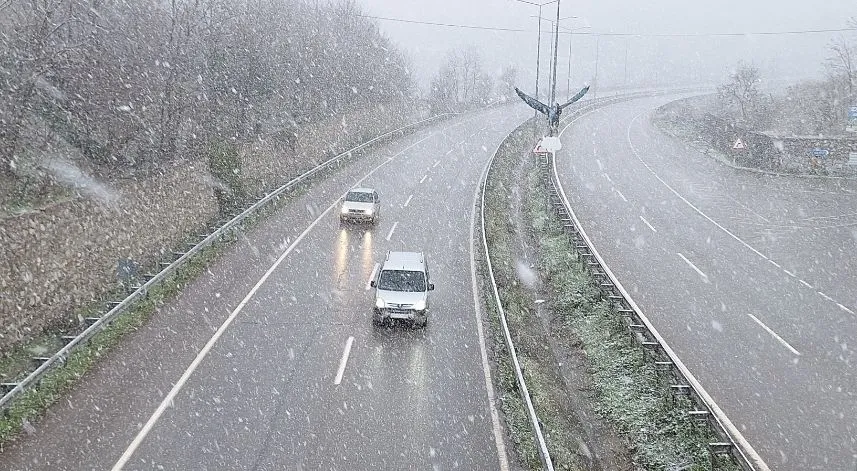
698,57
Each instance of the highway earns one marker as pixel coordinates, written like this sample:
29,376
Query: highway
751,278
269,360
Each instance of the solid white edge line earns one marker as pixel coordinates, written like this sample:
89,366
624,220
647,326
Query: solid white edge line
408,201
343,361
647,224
703,275
392,229
372,276
620,195
424,178
170,397
744,446
499,441
774,335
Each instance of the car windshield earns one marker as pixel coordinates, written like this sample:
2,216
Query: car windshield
359,197
402,280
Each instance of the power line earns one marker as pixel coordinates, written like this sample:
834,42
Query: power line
598,34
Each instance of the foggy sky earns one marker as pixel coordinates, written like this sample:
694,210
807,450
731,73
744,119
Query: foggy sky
650,60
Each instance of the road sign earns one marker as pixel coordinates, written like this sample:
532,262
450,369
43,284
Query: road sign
739,144
819,152
539,149
551,143
852,120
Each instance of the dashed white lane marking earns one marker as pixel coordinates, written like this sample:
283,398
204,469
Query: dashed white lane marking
436,164
177,387
450,151
461,143
805,284
344,360
620,195
372,276
697,270
774,334
608,177
392,229
701,213
423,178
844,308
408,201
647,224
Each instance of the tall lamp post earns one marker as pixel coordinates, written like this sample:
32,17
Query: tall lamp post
539,40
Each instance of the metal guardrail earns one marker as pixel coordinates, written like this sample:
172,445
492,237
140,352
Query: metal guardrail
733,443
519,375
583,107
99,324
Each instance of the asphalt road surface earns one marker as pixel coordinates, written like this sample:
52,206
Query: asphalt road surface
751,278
296,376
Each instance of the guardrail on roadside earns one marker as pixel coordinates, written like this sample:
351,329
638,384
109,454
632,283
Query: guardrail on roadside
535,426
732,443
14,389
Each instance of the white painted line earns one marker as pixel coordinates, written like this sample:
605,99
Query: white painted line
436,164
789,273
408,201
372,276
825,296
461,143
620,195
607,177
177,387
344,361
499,440
647,223
774,263
805,284
774,334
703,275
450,151
392,229
424,178
849,311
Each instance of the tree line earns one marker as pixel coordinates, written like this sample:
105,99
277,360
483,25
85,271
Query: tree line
126,83
810,107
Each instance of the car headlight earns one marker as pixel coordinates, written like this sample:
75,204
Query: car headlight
380,304
343,210
420,305
370,211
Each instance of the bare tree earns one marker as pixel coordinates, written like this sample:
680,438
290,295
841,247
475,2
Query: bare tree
741,92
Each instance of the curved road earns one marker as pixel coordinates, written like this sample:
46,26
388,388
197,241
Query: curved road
751,278
277,390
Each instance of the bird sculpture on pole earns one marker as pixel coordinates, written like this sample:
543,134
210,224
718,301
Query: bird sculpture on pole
552,112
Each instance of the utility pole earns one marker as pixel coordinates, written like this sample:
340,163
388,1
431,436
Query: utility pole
568,75
627,44
595,85
538,51
555,46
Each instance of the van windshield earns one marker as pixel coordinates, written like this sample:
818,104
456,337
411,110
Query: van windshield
359,197
402,280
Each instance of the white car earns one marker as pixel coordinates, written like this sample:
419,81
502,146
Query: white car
361,205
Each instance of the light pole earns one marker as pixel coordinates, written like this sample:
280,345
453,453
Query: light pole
570,32
539,40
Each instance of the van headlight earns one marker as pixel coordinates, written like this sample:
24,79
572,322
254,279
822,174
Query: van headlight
420,305
380,304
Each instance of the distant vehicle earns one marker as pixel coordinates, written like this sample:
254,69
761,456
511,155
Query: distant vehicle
361,205
401,289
